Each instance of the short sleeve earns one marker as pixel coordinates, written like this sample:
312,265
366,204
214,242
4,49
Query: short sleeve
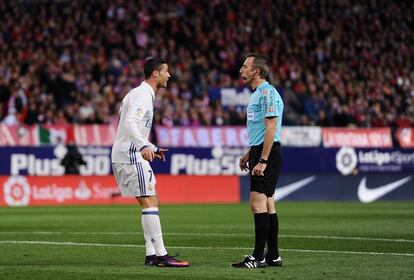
269,103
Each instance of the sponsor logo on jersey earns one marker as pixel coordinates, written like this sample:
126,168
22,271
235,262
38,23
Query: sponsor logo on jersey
140,112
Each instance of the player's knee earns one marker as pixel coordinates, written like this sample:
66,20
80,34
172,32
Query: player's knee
148,201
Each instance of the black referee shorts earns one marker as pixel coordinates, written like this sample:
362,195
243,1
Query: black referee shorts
265,184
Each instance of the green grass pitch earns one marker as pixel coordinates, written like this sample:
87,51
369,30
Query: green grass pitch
318,240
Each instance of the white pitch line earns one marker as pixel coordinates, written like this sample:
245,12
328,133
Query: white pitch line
31,242
347,238
209,234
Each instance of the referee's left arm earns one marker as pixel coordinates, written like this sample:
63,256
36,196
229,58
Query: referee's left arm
270,130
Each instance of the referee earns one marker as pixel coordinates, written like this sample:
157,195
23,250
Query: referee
263,160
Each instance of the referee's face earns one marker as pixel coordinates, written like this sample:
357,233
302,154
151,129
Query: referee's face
163,76
247,71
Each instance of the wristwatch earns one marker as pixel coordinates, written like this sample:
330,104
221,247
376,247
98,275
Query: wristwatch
265,161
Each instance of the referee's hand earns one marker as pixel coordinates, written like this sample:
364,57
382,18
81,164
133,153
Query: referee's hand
243,162
259,169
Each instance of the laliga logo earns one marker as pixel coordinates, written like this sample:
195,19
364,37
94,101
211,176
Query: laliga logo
83,192
17,191
346,160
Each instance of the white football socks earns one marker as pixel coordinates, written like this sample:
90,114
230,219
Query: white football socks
149,248
152,232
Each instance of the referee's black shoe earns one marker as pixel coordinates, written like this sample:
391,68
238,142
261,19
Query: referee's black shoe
273,261
250,262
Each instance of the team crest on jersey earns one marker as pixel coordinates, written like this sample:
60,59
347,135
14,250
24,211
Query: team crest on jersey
266,92
140,112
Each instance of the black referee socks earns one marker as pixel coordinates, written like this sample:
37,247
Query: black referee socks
272,239
261,223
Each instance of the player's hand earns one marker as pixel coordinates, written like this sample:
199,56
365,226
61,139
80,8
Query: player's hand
148,154
259,169
160,154
243,162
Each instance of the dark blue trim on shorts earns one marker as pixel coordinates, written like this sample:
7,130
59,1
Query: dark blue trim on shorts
141,178
130,153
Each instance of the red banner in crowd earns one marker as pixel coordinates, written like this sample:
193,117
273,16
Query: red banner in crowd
228,136
17,135
84,190
225,136
406,137
94,135
357,137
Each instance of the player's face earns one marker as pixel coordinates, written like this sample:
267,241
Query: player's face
247,71
163,76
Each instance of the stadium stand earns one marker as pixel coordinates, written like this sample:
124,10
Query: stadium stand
336,63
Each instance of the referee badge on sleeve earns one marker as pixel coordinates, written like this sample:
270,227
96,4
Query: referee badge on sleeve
250,116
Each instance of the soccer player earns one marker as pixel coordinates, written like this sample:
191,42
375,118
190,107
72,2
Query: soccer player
131,154
263,160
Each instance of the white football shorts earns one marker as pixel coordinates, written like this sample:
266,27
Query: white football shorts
135,179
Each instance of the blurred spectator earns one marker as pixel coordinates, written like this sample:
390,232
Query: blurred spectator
72,61
72,160
11,118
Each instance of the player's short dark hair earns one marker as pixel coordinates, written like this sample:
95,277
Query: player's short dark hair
152,64
261,62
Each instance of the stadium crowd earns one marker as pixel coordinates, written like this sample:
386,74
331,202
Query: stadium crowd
336,63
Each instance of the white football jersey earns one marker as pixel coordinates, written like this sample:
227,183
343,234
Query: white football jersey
134,125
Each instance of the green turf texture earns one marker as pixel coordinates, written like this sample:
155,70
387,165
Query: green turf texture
319,240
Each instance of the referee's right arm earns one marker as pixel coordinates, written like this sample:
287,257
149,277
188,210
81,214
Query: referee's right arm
244,160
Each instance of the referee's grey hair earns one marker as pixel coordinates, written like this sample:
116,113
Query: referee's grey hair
261,62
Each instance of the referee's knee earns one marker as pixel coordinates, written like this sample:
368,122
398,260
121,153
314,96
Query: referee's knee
258,207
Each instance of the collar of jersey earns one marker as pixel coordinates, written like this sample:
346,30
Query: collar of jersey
265,83
145,84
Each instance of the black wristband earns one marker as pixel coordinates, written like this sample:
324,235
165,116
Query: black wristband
261,160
